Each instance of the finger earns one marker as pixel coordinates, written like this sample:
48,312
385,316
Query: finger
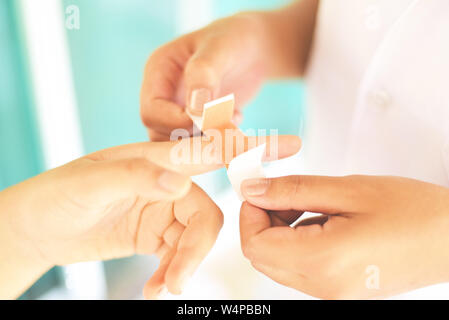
118,179
284,247
153,225
253,221
330,195
231,142
155,287
164,116
173,233
189,156
201,231
203,74
279,147
163,250
161,107
156,136
193,247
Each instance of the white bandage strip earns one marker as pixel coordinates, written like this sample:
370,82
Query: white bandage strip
247,165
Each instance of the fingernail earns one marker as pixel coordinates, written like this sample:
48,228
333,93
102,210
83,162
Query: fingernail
197,100
255,187
172,181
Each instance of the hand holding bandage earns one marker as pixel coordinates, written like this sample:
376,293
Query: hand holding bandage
241,154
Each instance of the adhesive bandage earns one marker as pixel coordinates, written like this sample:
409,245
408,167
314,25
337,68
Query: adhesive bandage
217,114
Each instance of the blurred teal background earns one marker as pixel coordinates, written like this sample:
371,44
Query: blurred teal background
108,54
19,139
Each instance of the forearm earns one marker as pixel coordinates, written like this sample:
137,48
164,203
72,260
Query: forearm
20,263
287,36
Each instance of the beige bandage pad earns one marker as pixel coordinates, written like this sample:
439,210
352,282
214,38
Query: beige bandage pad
217,114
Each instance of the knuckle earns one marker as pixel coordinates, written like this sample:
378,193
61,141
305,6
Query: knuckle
133,165
136,167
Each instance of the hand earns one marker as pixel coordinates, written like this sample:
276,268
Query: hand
110,204
225,57
232,55
376,237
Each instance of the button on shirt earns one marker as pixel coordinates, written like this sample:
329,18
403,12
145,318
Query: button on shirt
378,90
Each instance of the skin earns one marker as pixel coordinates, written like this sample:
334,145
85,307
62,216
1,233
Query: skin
126,200
232,55
395,225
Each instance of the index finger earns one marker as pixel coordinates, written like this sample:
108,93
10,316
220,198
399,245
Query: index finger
161,97
183,156
255,228
284,248
190,156
253,221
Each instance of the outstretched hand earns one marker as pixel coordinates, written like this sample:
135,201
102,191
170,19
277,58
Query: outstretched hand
110,204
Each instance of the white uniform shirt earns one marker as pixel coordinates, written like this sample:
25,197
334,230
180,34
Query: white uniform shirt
378,89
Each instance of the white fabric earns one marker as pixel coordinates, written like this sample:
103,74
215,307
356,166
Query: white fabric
378,89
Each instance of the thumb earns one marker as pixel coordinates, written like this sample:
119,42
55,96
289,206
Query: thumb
124,178
321,194
203,75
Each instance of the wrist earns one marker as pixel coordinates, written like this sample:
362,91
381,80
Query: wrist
21,260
